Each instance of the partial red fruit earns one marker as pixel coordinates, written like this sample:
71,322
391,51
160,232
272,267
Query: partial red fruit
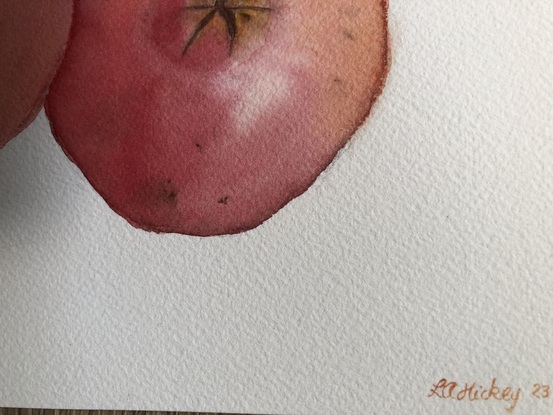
206,117
33,36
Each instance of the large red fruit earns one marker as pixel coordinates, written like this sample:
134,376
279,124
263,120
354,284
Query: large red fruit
205,117
33,36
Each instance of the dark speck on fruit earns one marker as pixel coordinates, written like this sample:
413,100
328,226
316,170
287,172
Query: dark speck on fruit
349,35
170,197
168,193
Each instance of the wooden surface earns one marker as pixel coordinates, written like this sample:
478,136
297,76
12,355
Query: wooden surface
18,411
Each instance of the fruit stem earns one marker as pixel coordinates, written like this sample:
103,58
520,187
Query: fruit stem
228,13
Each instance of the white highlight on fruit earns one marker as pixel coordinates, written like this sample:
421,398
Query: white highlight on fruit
257,92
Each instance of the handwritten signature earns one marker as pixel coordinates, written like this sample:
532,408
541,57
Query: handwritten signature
445,389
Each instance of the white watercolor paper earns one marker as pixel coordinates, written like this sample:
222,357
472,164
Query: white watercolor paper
425,251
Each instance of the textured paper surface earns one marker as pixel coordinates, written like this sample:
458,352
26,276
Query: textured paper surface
424,252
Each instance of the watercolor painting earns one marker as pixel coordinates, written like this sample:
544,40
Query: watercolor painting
396,245
205,117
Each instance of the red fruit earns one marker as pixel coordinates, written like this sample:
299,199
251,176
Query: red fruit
33,36
206,117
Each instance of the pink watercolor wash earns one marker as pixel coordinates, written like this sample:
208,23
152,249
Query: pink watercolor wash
205,117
